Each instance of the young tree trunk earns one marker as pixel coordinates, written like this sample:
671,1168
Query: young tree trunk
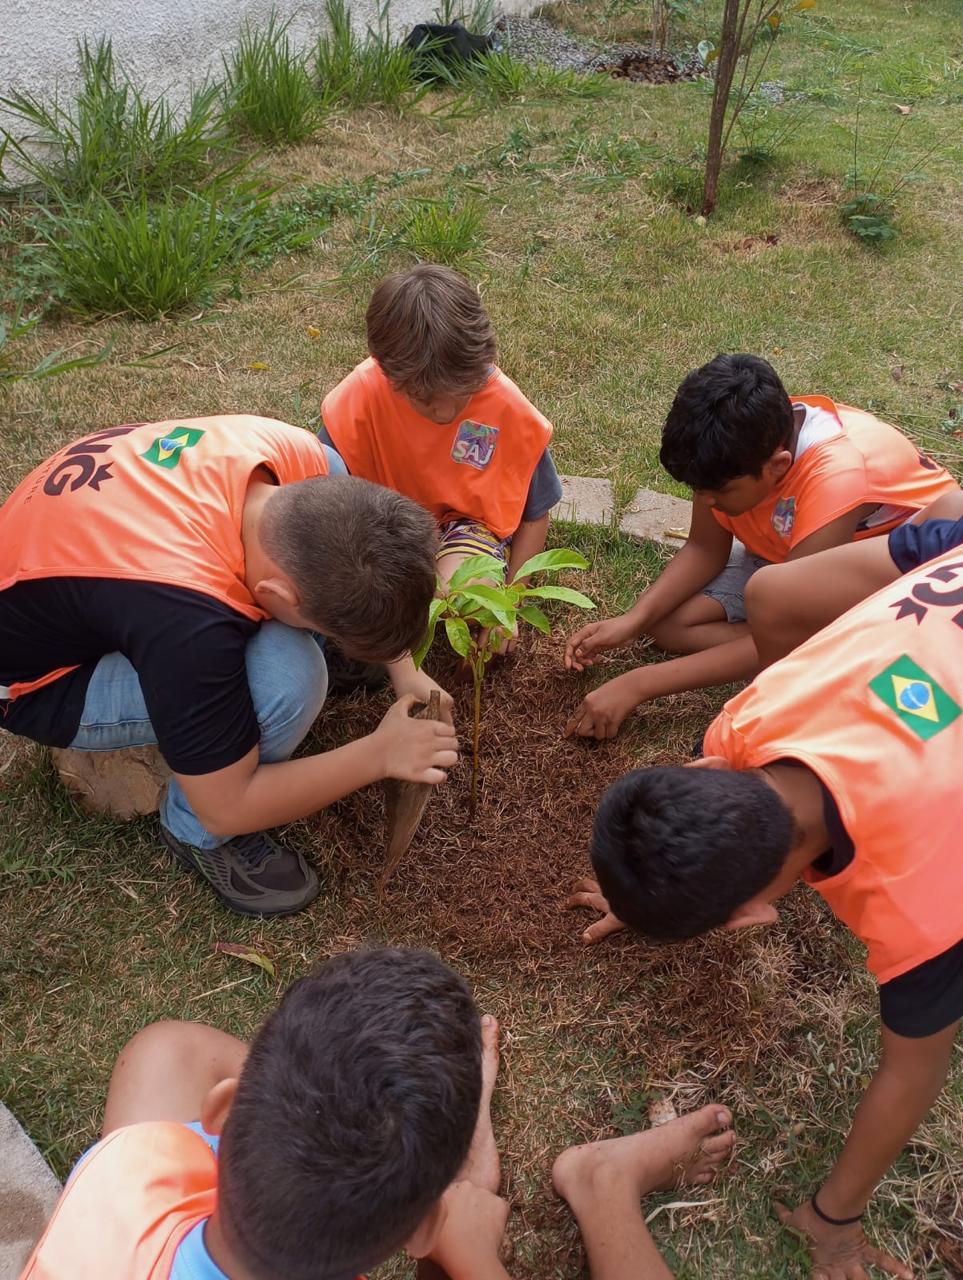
660,25
733,21
477,673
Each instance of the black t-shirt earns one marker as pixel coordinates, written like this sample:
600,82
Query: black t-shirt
927,998
187,648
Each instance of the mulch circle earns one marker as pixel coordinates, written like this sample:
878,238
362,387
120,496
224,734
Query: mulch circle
652,67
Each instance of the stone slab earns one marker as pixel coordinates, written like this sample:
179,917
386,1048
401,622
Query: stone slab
122,783
585,501
659,517
28,1193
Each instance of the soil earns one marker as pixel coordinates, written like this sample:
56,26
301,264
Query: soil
490,897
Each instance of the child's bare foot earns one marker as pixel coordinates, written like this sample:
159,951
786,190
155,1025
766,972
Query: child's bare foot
690,1150
483,1166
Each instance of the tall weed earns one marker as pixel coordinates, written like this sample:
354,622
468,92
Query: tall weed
152,258
268,91
438,231
356,71
112,140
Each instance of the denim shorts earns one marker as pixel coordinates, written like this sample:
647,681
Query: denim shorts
730,586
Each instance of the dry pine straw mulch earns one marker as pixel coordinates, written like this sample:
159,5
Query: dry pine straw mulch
721,1017
491,897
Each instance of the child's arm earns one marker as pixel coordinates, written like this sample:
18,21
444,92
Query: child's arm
703,557
907,1082
528,541
252,796
467,1246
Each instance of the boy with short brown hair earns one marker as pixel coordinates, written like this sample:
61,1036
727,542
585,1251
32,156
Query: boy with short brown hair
430,415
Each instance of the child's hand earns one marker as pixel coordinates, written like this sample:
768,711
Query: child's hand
407,678
414,750
839,1253
588,894
585,646
601,712
467,1248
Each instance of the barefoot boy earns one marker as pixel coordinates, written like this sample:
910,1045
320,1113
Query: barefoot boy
357,1124
774,479
839,766
314,1154
160,583
430,415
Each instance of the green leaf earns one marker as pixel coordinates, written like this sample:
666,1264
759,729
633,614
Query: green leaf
494,601
560,558
561,593
459,637
477,567
435,611
534,617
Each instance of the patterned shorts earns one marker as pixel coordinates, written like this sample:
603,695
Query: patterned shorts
466,537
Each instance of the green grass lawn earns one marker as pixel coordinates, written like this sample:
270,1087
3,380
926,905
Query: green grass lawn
604,293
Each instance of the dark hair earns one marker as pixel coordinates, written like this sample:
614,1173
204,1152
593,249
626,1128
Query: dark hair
361,557
355,1110
677,850
430,334
727,420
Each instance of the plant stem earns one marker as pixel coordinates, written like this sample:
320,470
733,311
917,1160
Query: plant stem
477,672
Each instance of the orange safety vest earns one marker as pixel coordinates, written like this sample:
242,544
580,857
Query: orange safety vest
868,462
154,502
872,705
128,1207
479,467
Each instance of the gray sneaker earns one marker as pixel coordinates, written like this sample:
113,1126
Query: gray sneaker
252,874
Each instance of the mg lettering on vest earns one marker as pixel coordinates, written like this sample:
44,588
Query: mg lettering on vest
79,466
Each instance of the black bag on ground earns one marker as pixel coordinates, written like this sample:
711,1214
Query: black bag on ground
448,43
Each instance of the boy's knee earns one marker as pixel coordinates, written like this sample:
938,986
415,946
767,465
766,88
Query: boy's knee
165,1040
762,596
288,677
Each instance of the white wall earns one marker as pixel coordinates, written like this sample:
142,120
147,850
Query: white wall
164,44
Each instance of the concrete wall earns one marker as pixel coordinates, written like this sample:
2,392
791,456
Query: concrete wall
164,44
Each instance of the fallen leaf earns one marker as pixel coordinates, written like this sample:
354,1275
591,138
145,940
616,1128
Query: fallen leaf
258,366
896,373
661,1111
904,111
314,331
248,954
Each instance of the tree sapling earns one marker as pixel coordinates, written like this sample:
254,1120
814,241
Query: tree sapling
480,610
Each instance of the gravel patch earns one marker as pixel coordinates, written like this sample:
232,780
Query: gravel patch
533,40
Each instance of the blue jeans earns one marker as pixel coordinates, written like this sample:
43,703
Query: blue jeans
288,679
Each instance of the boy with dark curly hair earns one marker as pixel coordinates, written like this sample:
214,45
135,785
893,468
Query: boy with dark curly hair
837,766
774,478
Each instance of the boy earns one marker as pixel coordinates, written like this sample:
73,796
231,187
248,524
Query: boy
430,415
335,1141
315,1154
837,766
773,480
160,583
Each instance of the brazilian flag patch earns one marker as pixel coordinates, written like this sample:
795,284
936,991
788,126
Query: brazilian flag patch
922,704
166,450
